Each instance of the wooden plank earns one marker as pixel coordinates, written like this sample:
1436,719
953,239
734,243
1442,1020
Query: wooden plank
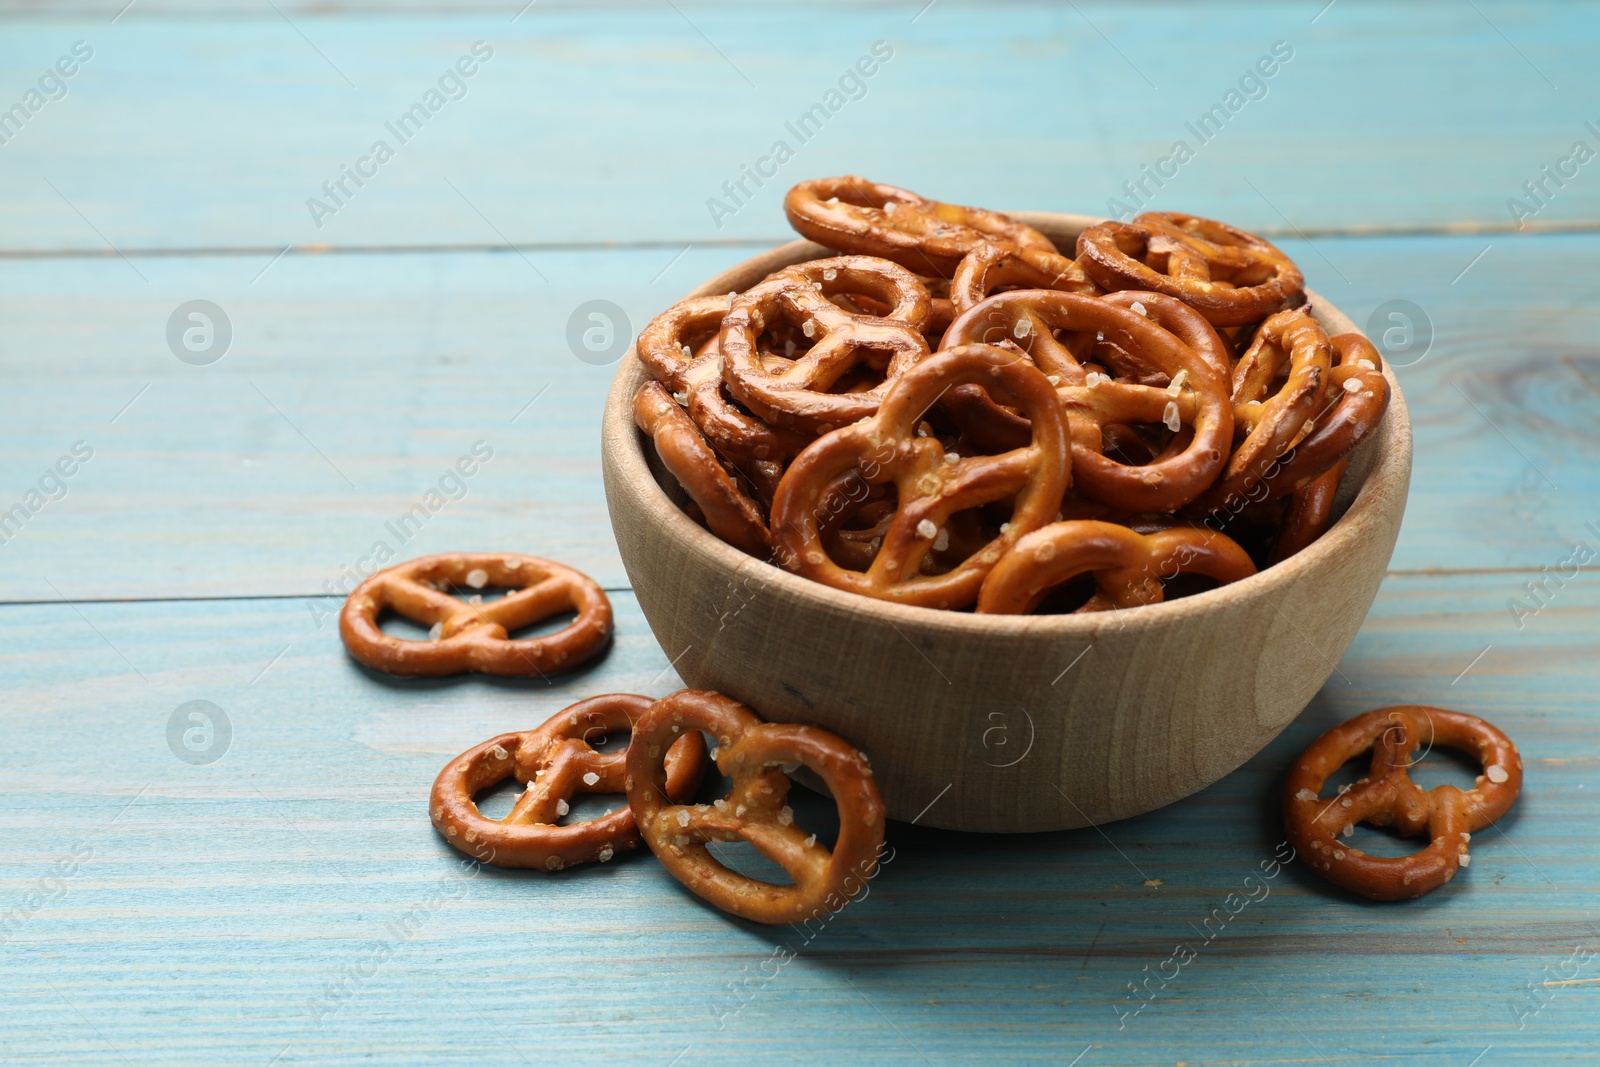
167,139
229,906
392,366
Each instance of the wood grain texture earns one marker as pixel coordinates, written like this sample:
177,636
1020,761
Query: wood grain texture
216,912
393,365
193,132
1166,701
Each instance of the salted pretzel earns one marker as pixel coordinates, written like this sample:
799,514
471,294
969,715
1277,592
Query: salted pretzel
1269,418
728,510
1181,320
673,339
1229,276
556,762
1388,797
1198,404
931,484
1309,512
797,392
473,636
1128,567
988,268
1352,406
754,755
927,236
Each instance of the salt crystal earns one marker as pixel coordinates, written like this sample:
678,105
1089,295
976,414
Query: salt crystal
786,816
435,631
1496,773
683,816
591,779
926,528
499,753
951,457
605,854
1021,329
1177,382
1305,794
1466,860
829,275
1366,364
1139,308
888,209
1054,379
1170,416
1352,385
942,542
811,840
562,807
809,328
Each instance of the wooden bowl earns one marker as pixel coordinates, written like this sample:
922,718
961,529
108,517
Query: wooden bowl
1009,723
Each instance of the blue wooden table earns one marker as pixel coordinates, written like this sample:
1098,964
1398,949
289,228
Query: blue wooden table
268,890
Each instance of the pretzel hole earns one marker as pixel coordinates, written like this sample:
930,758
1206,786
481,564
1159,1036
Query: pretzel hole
586,807
1067,597
398,626
495,802
741,857
1443,766
544,627
1382,841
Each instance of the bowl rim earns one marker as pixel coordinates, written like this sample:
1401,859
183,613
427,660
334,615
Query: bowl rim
623,451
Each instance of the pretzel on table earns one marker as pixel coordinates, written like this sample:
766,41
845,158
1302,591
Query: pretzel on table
473,636
754,754
1128,567
931,484
926,236
1229,276
798,392
557,763
728,510
1195,398
1388,797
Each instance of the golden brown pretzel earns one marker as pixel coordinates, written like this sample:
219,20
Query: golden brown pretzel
1029,319
672,340
753,754
796,392
1289,346
1388,797
757,451
1352,406
556,762
1309,513
929,237
989,268
729,511
1229,276
1128,567
472,636
1178,318
931,484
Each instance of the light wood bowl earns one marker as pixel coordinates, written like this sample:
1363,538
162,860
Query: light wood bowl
1009,723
